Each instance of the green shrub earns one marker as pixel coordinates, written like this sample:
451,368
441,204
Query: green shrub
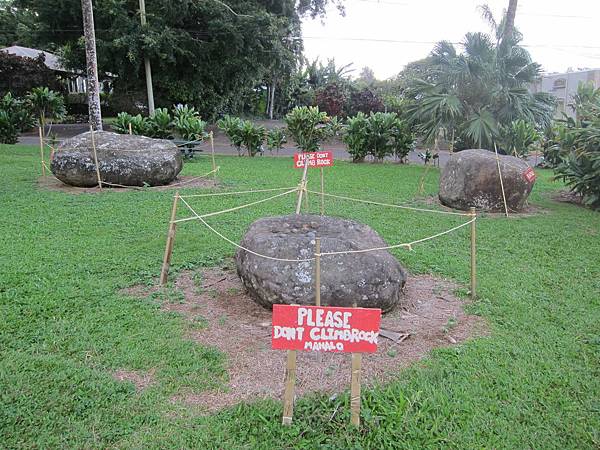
46,105
161,124
252,137
575,150
15,117
357,131
185,111
519,137
231,126
309,127
139,124
276,139
379,135
190,127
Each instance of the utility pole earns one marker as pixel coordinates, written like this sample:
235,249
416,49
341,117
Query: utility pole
147,63
93,90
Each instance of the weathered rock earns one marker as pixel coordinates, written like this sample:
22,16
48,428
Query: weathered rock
470,179
123,159
372,279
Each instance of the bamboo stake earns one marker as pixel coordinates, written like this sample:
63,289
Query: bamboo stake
212,154
322,193
318,271
355,386
290,384
42,151
501,181
95,157
355,389
473,254
302,187
130,129
164,273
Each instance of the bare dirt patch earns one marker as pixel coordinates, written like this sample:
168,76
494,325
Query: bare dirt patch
52,183
234,324
141,380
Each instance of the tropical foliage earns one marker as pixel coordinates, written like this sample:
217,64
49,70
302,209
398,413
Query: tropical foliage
46,105
243,134
378,135
182,121
575,147
309,127
276,139
199,49
519,137
474,93
15,117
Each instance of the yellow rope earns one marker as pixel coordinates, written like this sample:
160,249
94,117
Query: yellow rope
237,193
408,245
216,213
237,245
390,205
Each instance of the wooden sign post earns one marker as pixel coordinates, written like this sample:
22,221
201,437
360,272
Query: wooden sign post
312,160
324,329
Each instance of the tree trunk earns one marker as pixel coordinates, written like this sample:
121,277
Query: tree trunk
268,106
93,89
272,99
509,28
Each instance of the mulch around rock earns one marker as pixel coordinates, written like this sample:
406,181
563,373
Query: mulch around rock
237,326
52,183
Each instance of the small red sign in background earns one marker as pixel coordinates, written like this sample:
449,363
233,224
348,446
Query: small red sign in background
529,175
325,329
315,159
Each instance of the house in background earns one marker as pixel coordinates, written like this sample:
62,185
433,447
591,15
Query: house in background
75,82
564,86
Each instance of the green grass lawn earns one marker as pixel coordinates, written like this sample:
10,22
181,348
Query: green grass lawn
533,382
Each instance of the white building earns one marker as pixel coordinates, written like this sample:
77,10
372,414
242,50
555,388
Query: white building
564,86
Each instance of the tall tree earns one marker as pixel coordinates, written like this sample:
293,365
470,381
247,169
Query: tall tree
477,93
209,53
93,89
509,27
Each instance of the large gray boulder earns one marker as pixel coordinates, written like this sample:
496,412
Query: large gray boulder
123,159
372,280
470,179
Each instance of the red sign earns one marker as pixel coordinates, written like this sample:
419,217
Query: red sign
315,159
529,175
325,329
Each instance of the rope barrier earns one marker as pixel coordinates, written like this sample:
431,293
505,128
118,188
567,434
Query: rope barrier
408,245
181,183
412,208
237,193
239,246
216,213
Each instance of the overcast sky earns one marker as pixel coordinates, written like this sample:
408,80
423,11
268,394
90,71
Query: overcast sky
559,34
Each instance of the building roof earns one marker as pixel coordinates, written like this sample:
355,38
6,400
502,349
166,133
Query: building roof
51,61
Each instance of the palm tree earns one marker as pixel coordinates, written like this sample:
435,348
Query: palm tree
473,94
47,105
